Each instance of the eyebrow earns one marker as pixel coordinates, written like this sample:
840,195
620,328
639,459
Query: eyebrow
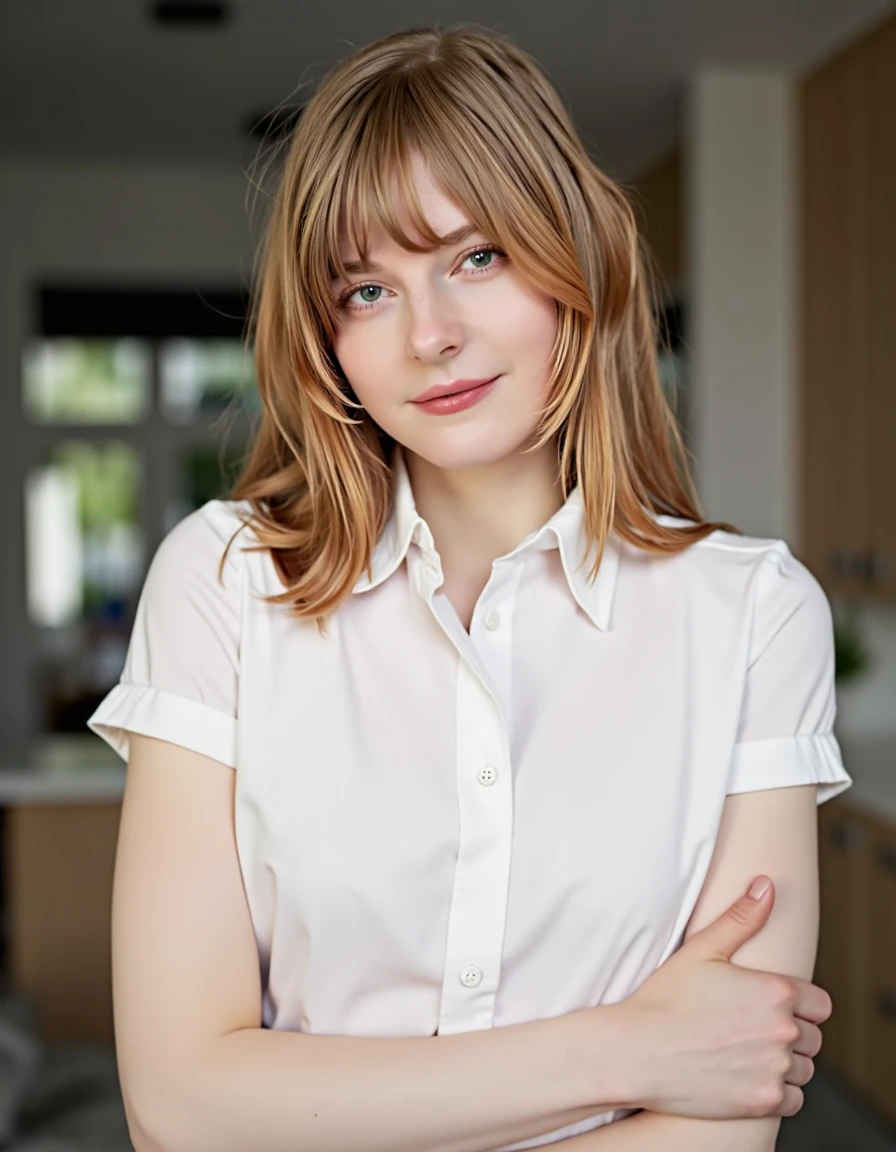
456,237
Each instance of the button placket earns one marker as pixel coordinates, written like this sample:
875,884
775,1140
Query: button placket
494,645
478,911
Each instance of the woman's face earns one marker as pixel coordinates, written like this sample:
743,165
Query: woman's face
410,321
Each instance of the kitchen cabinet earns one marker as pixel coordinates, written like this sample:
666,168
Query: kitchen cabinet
60,803
840,864
59,864
881,302
857,950
881,958
848,291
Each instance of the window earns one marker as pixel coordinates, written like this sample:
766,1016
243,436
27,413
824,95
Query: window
86,381
83,538
201,378
126,391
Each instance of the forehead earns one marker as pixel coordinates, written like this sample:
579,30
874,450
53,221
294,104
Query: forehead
374,229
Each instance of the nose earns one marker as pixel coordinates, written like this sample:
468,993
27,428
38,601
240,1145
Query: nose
435,331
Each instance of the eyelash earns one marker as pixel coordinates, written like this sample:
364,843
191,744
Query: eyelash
343,301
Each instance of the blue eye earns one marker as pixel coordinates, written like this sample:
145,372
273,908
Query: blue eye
367,288
366,296
490,252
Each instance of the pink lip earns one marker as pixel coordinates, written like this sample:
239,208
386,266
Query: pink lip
457,401
440,390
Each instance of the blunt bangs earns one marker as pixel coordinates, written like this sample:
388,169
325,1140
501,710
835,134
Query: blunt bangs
477,163
500,142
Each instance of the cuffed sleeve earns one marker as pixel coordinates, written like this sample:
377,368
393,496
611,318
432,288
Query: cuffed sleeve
181,676
785,733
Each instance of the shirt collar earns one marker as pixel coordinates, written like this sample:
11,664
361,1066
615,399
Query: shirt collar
564,530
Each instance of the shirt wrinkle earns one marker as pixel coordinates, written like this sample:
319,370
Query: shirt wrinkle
488,827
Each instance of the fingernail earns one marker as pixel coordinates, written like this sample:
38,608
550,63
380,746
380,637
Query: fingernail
759,887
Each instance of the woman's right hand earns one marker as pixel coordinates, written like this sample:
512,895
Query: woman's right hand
723,1042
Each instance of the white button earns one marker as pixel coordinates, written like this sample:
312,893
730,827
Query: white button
487,775
470,976
492,620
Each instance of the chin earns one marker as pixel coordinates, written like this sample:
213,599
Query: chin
440,452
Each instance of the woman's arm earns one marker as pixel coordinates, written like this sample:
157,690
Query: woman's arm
653,1132
198,1071
774,832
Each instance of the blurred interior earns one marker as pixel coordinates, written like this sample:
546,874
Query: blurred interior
759,146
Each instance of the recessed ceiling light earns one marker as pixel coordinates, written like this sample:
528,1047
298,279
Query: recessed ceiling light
189,13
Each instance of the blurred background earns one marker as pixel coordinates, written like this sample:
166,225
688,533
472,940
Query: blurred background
138,147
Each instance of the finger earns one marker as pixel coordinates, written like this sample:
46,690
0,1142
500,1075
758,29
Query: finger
810,1039
812,1002
802,1069
792,1102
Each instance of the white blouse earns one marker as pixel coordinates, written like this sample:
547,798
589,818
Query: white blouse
441,831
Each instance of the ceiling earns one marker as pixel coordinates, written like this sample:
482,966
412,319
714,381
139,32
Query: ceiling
93,79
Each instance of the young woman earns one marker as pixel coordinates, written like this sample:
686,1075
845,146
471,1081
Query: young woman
456,735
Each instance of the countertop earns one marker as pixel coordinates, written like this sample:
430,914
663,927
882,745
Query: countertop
61,769
84,769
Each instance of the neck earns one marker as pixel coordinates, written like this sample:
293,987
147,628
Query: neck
478,514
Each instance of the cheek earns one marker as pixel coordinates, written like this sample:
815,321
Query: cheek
526,324
358,357
346,351
542,325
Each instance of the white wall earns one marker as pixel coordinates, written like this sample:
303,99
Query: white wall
740,233
171,227
741,147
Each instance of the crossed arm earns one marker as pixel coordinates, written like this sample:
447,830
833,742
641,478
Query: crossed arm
773,832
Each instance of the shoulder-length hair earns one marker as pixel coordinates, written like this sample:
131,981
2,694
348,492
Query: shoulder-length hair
318,480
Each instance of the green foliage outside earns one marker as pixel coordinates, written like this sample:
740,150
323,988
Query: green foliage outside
86,381
852,656
106,477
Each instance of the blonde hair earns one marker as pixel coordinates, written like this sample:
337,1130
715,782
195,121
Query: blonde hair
497,137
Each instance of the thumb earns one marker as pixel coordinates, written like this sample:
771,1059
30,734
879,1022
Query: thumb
722,938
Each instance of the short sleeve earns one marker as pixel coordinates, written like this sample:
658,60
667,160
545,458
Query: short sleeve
181,674
785,732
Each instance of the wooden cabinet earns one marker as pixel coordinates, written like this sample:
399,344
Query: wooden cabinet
857,950
842,859
59,863
848,290
880,118
881,958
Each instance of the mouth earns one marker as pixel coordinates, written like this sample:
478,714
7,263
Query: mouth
456,388
445,403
